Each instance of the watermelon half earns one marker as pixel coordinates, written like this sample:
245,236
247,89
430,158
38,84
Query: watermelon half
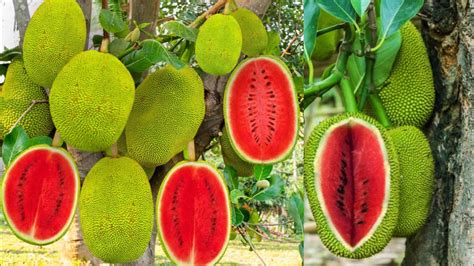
40,193
193,214
351,177
261,110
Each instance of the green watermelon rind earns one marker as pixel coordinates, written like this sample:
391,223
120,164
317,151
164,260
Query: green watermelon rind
228,121
383,233
61,233
158,205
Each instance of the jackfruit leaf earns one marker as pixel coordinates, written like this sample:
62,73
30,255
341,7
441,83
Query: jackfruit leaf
39,140
144,25
301,249
237,216
148,55
341,9
273,191
273,45
117,46
395,13
360,6
235,195
111,21
299,83
13,144
9,54
384,59
231,178
176,28
262,171
3,69
295,208
311,17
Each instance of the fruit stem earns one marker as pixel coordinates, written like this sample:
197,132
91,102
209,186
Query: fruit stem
321,85
104,46
33,103
230,7
191,151
379,110
57,141
348,97
214,9
186,56
329,29
114,150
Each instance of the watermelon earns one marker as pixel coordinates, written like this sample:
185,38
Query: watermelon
40,193
261,111
193,214
351,178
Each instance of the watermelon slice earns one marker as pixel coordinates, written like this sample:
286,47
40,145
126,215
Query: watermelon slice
193,214
351,176
261,111
40,193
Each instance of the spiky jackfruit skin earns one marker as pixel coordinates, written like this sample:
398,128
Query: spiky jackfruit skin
409,94
254,35
326,44
91,100
167,113
416,179
116,229
218,44
56,33
231,158
18,93
383,233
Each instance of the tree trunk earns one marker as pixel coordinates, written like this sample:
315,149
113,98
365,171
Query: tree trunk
22,17
447,238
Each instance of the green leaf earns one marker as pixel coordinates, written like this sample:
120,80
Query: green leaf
148,55
360,6
231,178
9,54
299,83
237,217
3,69
301,249
295,207
271,192
394,13
341,9
117,46
311,17
177,28
111,21
235,195
262,171
273,46
14,143
39,140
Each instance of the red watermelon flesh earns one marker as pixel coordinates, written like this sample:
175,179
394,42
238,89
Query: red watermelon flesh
194,214
40,193
261,112
355,195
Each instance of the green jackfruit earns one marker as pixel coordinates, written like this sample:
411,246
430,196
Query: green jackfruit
118,228
254,35
18,93
326,44
218,44
377,238
167,113
409,94
91,100
231,158
56,33
416,180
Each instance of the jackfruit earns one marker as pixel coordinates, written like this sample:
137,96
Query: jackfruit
254,35
17,95
55,34
116,229
91,100
218,44
416,179
231,158
409,94
167,113
326,44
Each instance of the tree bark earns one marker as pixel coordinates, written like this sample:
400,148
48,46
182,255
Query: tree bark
447,238
22,17
86,6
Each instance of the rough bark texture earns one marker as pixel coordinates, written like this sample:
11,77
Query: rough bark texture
86,6
448,236
22,17
144,11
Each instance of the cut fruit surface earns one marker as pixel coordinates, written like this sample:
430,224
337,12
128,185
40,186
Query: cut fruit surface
40,193
351,177
194,214
260,110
